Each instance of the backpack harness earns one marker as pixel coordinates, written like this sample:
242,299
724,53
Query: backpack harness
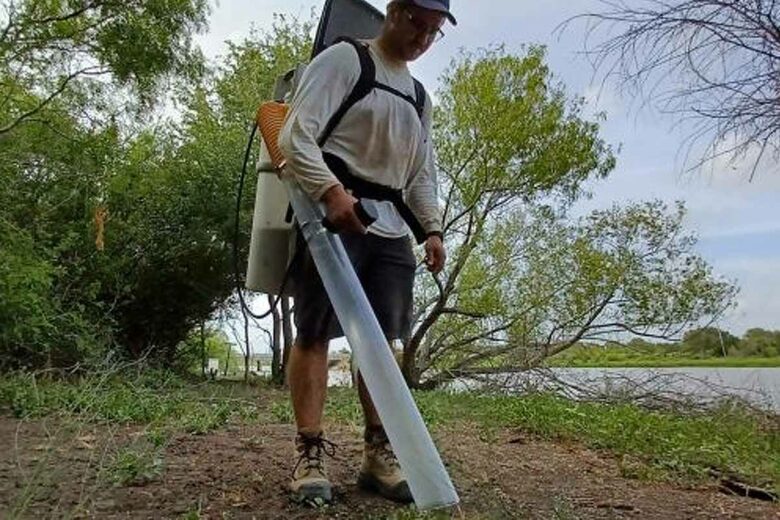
362,188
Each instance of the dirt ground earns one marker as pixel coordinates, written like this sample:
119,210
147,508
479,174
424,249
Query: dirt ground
50,470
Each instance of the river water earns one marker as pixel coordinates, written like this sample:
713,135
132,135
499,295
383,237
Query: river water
759,386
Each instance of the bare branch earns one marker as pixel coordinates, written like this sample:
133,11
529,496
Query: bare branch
716,63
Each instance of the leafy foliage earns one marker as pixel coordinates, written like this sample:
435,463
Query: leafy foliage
81,52
710,342
136,466
121,232
69,76
759,342
525,280
175,221
126,225
46,319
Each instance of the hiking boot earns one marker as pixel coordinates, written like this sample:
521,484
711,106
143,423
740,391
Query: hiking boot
381,472
309,480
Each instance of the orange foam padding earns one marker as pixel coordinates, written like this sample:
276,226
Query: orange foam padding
270,119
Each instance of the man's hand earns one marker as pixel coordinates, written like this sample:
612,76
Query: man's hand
434,254
340,210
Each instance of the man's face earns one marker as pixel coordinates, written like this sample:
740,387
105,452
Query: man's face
414,30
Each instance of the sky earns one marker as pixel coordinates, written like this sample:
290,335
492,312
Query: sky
736,220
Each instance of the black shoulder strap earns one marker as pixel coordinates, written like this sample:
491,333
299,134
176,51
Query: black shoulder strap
418,102
419,92
363,87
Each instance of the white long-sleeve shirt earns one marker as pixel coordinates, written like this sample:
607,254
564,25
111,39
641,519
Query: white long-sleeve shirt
381,138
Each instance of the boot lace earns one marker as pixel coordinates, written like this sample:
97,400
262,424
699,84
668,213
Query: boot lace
385,450
312,450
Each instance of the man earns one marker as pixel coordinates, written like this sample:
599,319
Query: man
383,138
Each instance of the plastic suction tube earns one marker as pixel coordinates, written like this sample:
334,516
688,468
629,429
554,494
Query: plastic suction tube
428,480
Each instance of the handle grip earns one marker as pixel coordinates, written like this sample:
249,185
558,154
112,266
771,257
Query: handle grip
366,218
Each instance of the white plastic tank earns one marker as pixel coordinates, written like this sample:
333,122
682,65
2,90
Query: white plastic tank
272,236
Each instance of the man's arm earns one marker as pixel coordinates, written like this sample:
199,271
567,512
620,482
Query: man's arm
422,195
325,84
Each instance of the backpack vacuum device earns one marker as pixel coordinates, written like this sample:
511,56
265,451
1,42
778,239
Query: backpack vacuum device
271,249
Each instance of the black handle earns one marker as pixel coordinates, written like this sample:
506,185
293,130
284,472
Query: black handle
362,213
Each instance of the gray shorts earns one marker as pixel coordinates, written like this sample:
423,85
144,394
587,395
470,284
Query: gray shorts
385,268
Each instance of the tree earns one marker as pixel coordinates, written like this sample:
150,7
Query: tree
174,208
710,342
759,342
69,75
714,62
504,135
200,346
549,283
80,50
36,328
276,343
524,281
287,335
209,146
281,339
163,197
43,325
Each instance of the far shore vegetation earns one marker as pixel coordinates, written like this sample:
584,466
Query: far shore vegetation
706,347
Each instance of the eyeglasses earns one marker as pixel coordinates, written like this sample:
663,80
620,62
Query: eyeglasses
431,35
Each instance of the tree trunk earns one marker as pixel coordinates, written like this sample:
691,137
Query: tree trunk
136,346
203,354
247,349
276,343
288,337
409,367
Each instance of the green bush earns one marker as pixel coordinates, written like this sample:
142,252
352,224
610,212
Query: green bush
36,328
25,301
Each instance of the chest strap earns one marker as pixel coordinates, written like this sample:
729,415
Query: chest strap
362,188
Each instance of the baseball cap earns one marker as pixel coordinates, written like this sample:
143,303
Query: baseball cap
443,6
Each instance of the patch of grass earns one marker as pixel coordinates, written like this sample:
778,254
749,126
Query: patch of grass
155,405
562,509
343,406
282,412
156,398
671,445
650,445
411,513
136,466
157,437
204,419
